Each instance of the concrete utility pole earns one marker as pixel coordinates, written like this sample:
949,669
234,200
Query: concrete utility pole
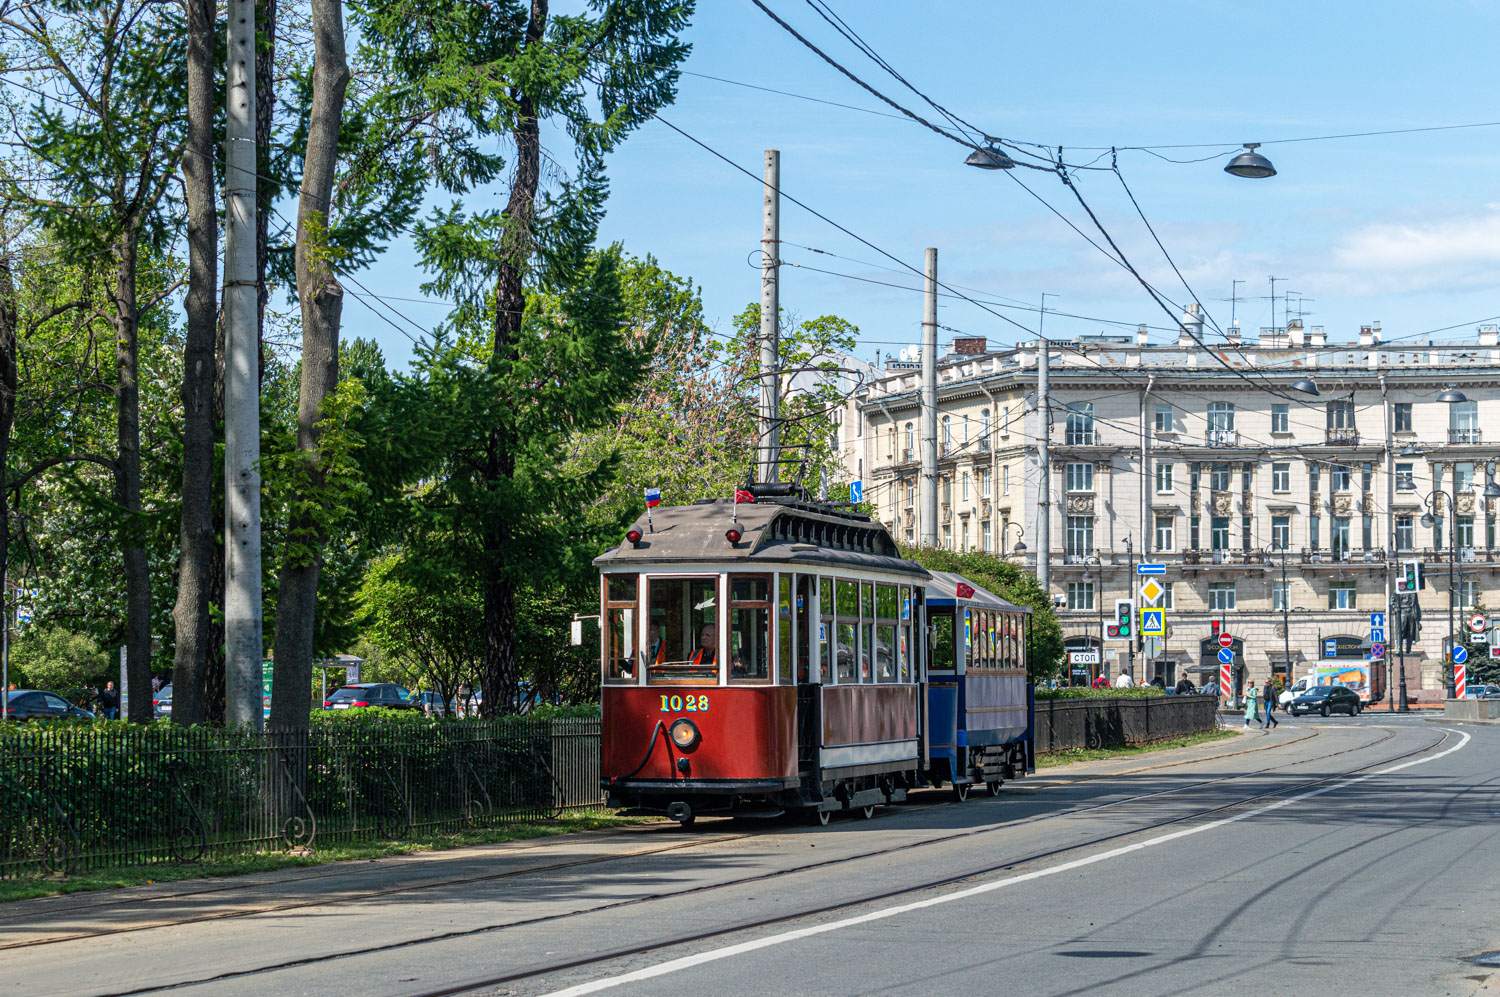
770,319
1044,482
242,593
929,497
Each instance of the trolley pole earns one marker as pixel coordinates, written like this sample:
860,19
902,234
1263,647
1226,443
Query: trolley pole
929,511
242,567
770,318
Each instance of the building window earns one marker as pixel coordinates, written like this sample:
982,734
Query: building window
911,493
1406,481
908,536
1080,534
984,426
1281,477
1465,525
1366,474
966,430
1220,416
947,491
1080,477
964,487
1338,477
1401,416
984,482
1219,532
1463,422
1193,533
1437,532
1221,597
1313,539
1340,595
984,533
1279,593
948,537
947,430
1247,474
1280,420
1080,595
1341,414
963,535
1166,595
1005,420
1218,478
1080,423
1463,476
1005,480
1313,476
1281,532
1468,596
1163,479
1194,472
1340,536
1164,418
1405,535
1367,531
1164,532
1245,523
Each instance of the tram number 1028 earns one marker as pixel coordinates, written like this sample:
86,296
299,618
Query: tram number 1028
684,704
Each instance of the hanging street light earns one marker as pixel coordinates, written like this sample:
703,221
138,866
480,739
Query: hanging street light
990,158
1304,385
1250,164
1453,396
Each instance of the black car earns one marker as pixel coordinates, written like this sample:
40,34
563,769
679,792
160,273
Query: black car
34,704
1326,699
385,694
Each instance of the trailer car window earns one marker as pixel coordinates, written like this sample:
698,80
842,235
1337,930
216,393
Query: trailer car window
845,646
942,643
887,605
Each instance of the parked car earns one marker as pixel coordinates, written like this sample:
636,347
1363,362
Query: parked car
428,702
1484,692
1326,699
161,703
35,704
383,694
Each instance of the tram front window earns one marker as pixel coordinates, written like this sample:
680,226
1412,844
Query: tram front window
619,629
682,634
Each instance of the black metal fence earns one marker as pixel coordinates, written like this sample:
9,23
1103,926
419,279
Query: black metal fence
1109,723
80,798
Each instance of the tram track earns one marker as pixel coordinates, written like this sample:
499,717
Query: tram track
1008,865
92,904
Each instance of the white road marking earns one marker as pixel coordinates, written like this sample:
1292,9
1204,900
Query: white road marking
714,955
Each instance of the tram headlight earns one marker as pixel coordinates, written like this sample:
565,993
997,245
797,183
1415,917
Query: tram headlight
684,733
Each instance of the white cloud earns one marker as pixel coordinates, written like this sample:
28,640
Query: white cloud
1459,252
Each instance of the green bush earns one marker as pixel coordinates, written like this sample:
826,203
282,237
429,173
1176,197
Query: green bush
1080,692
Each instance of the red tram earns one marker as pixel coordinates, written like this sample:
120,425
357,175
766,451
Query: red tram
760,659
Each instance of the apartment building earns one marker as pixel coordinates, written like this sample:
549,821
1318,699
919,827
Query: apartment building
1280,480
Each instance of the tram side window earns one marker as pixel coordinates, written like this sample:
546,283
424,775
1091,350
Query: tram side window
750,628
867,632
683,637
827,630
942,643
784,642
807,636
845,646
987,652
619,631
887,606
903,656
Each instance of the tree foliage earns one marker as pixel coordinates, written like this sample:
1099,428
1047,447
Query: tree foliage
56,659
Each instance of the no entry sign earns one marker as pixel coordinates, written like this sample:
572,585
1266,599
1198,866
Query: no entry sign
1225,640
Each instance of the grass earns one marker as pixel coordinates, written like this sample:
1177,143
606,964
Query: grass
238,865
1069,756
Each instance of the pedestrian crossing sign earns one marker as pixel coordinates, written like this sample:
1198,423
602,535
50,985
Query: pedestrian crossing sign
1153,623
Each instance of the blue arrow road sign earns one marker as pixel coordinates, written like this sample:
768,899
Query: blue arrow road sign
1460,654
1377,635
1377,621
1151,569
856,491
1226,655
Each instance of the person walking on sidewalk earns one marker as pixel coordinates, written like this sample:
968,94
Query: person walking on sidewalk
1268,693
1252,707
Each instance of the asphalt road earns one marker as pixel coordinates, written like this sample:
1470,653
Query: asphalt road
1346,855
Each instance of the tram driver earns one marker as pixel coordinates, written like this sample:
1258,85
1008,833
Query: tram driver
708,646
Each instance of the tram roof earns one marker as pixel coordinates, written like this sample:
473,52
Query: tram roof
942,590
772,532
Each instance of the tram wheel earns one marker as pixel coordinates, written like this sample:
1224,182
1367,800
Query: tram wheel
993,787
960,791
818,817
868,812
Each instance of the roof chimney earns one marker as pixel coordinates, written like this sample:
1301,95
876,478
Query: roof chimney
1489,335
1233,335
1140,334
1366,336
1316,336
1192,326
1294,332
1375,332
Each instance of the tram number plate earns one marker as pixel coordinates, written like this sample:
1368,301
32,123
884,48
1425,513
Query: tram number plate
684,704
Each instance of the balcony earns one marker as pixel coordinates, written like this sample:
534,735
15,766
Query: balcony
1464,436
1081,438
1340,554
1222,438
908,455
1343,436
1078,557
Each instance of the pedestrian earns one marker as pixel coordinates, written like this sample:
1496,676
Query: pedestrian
109,701
1268,693
1252,708
1124,681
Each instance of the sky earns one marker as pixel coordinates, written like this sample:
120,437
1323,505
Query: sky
1399,229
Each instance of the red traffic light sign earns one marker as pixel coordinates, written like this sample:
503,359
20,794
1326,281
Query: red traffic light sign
1225,640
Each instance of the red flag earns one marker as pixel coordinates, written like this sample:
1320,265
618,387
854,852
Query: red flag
965,590
741,495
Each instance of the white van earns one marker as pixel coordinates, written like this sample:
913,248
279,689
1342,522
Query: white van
1296,689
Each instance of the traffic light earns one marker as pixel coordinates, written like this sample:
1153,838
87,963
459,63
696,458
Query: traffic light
1410,577
1214,628
1123,628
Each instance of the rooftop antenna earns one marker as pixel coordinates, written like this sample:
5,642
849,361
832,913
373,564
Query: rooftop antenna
1234,300
1273,298
1041,321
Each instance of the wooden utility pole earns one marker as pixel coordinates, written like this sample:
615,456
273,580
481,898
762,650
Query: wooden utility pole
770,317
242,590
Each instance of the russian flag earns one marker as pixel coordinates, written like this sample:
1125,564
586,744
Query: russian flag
653,497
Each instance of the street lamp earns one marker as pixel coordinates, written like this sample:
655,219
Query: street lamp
1306,385
1286,624
1020,547
1453,396
989,157
1250,164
